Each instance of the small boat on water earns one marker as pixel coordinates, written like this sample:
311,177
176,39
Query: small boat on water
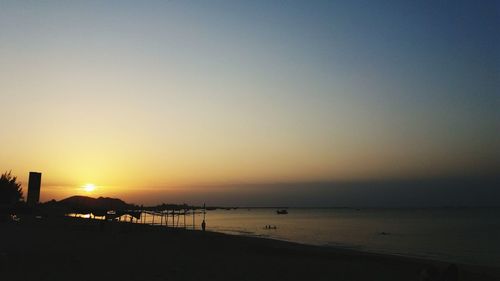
281,212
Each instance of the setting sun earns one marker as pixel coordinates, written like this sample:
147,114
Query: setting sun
89,187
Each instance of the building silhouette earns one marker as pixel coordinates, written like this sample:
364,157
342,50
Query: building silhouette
34,183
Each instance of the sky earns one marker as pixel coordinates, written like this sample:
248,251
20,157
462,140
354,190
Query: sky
304,103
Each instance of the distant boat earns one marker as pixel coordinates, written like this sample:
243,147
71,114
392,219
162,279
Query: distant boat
282,212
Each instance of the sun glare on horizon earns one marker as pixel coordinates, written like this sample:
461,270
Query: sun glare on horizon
89,187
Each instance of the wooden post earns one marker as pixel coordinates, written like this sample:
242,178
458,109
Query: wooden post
204,211
153,221
178,217
193,219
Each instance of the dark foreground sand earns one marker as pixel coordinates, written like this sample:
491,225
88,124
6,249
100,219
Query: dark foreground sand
75,249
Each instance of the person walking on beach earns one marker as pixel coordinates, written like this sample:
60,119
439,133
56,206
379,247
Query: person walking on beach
203,225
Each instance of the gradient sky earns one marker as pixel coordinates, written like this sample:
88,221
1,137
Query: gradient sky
232,102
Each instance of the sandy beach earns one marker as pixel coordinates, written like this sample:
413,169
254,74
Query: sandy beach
79,249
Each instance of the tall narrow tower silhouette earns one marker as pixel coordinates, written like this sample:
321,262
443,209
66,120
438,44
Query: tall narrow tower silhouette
34,183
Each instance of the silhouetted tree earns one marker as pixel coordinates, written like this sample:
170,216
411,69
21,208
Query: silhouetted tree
10,190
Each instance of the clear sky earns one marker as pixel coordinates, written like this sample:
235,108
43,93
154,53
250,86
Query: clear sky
162,101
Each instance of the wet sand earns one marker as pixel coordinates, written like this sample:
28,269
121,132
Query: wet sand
79,249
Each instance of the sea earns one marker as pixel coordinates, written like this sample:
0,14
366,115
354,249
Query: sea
459,235
455,235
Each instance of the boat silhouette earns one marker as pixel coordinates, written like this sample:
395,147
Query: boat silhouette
281,212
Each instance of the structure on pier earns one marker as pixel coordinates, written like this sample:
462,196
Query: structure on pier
176,218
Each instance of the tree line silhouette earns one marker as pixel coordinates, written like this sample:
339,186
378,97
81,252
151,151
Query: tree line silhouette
10,190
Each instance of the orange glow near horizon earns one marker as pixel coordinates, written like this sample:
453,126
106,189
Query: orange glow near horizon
173,173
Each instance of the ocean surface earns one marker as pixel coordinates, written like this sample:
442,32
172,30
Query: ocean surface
464,235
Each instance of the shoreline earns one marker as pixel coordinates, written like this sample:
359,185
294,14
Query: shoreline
100,251
358,249
369,251
348,250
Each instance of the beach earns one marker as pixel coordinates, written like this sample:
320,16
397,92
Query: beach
60,248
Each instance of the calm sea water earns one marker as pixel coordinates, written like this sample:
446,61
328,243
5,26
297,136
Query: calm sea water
461,235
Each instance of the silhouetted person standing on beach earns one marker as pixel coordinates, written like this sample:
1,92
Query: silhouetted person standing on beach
203,224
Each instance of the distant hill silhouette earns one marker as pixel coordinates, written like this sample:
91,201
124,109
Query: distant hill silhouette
80,203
